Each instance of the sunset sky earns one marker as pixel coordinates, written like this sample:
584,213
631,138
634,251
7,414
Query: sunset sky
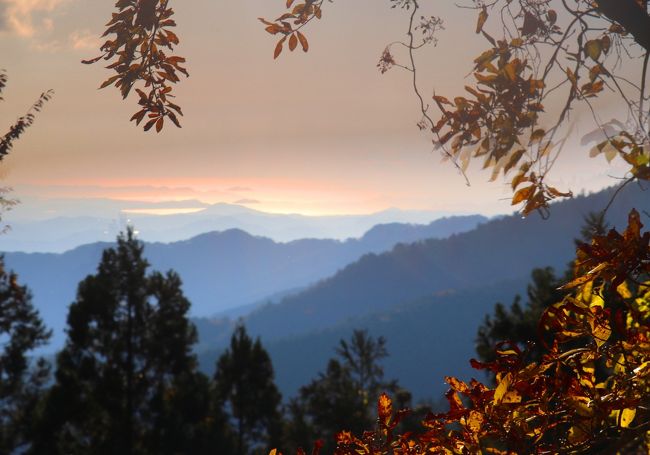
316,133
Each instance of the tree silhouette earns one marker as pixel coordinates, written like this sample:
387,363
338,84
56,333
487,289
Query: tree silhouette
519,324
21,378
244,384
342,397
126,380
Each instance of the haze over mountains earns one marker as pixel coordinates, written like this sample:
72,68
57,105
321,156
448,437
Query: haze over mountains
57,225
426,295
221,270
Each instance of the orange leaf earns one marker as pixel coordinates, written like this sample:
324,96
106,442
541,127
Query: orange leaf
303,41
523,194
278,47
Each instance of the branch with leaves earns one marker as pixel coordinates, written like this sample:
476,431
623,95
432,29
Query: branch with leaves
138,54
532,62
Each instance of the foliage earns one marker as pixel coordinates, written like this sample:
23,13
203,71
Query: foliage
126,380
541,56
559,404
518,324
244,383
138,54
557,401
21,331
343,396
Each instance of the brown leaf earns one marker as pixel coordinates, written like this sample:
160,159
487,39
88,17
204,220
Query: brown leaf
303,41
278,48
523,194
293,42
482,17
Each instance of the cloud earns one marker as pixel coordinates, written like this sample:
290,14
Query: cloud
239,188
247,201
26,18
84,40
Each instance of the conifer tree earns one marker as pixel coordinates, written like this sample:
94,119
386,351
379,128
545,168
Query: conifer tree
244,384
126,381
21,331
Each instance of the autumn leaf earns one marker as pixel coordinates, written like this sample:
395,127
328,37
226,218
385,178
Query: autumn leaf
482,17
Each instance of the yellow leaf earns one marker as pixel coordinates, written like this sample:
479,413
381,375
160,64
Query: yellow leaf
623,290
512,396
501,389
593,49
475,421
523,194
626,417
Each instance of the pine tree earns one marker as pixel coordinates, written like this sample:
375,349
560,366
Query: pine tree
244,384
21,331
126,364
344,396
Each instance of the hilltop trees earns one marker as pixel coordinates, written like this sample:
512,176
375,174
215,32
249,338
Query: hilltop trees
126,381
21,331
518,324
244,383
342,397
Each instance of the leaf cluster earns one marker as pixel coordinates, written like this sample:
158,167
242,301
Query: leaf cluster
138,53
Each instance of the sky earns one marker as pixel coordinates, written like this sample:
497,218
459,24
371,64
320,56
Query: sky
317,133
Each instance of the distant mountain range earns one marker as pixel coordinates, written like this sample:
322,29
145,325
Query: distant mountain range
462,276
221,270
72,223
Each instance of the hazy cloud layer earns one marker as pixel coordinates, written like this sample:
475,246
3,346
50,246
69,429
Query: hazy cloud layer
27,18
247,201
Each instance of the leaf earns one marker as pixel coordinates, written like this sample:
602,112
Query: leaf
626,417
482,17
501,389
278,47
159,124
149,124
514,159
523,194
537,135
293,42
511,71
593,49
456,384
531,24
475,421
519,179
110,80
384,408
303,41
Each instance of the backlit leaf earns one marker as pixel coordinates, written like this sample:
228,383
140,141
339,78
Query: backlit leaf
593,49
